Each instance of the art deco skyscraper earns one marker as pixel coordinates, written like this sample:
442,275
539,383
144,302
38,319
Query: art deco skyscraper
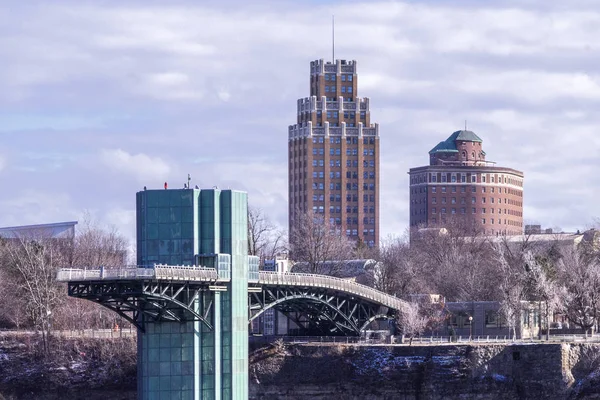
333,154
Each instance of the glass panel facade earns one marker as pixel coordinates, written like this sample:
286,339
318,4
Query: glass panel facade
165,233
253,263
189,360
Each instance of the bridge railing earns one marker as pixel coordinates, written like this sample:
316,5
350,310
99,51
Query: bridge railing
87,274
330,282
185,273
169,272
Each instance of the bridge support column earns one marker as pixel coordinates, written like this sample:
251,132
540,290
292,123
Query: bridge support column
197,360
181,360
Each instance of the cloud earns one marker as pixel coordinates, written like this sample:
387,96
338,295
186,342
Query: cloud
2,163
159,87
140,166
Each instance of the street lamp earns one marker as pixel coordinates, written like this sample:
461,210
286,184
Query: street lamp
470,327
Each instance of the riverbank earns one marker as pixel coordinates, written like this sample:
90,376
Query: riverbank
481,371
75,368
94,369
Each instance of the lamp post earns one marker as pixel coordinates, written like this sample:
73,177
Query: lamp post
470,327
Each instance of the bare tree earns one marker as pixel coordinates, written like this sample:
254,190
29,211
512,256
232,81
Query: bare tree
32,264
95,246
265,240
320,246
546,290
12,307
580,274
512,290
457,261
411,321
398,271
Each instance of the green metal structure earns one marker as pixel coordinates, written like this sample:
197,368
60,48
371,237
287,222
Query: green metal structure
206,358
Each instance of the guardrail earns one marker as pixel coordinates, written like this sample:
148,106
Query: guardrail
502,339
254,338
330,282
184,273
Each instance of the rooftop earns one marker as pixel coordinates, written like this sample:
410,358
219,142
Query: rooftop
57,229
449,145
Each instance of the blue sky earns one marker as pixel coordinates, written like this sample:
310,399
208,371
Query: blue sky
99,98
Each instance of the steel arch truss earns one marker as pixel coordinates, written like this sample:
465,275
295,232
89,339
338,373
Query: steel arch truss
142,301
319,309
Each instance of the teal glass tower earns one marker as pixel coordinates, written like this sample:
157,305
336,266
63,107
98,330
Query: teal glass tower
196,359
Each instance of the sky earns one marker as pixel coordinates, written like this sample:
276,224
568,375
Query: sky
101,98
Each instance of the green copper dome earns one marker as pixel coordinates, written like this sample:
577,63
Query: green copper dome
449,145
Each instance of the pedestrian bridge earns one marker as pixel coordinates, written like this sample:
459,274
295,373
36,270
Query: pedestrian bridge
318,303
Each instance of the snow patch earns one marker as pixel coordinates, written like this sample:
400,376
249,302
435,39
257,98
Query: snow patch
499,378
379,362
446,361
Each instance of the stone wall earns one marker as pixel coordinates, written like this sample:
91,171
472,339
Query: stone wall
526,371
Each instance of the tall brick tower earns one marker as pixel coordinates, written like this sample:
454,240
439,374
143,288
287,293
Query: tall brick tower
333,154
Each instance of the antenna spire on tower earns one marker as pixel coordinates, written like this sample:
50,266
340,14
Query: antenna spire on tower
333,38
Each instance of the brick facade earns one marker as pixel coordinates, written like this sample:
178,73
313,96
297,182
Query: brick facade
333,154
460,184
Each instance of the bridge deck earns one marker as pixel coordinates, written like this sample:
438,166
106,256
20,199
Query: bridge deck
201,274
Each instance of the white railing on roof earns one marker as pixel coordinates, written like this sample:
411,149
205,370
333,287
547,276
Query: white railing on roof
330,282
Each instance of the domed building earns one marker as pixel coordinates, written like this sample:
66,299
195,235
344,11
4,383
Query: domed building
460,186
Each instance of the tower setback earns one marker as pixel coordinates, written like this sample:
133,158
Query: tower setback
333,154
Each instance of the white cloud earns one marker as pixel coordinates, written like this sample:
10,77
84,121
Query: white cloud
220,83
2,163
140,166
30,206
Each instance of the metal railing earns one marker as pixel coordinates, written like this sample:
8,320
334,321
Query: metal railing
502,339
157,272
307,339
330,282
184,273
87,274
